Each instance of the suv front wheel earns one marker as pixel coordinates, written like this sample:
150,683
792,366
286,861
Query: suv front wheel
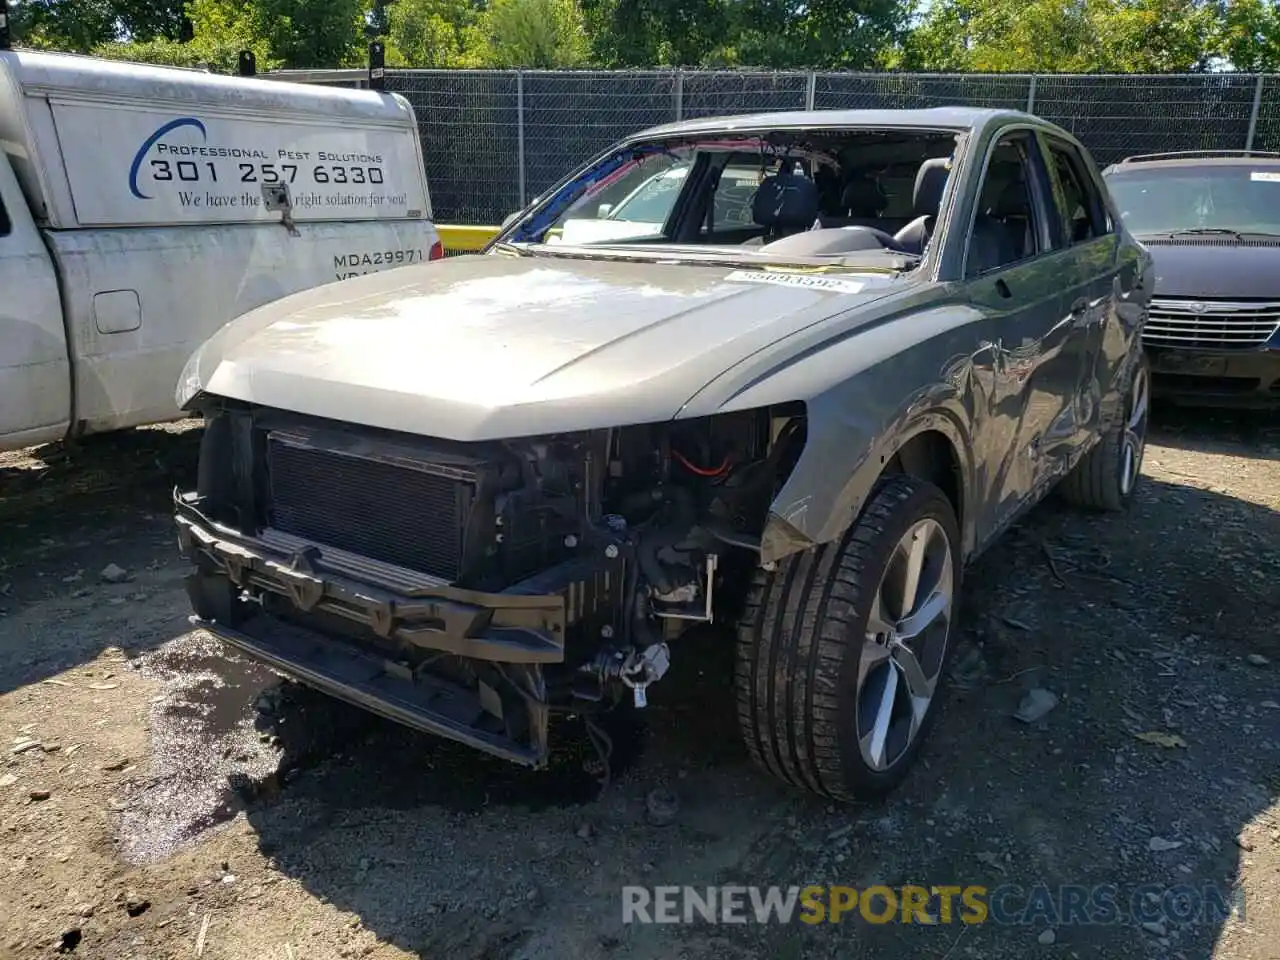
842,648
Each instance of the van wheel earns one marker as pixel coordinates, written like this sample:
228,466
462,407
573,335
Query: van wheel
842,648
1108,474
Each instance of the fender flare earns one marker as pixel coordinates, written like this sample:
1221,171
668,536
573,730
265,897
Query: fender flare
937,409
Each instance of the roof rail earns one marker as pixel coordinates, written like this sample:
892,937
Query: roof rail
1190,154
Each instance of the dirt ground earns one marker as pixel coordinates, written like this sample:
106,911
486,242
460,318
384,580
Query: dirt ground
158,799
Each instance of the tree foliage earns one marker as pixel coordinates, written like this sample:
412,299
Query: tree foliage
1137,36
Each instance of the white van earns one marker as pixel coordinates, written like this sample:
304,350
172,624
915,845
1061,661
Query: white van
143,207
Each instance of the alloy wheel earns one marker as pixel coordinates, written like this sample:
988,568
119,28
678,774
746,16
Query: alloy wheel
905,644
1133,443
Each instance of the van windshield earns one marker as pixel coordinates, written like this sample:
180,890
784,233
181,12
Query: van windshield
1240,198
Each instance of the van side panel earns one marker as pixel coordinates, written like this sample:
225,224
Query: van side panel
35,385
164,166
139,302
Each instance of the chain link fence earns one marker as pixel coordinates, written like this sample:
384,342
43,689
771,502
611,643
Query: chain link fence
494,139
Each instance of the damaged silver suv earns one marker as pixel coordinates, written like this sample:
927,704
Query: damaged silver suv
789,371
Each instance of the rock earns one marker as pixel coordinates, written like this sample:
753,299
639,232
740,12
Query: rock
23,745
8,780
1035,705
585,831
661,807
1048,938
1257,660
39,795
86,910
1161,845
1156,928
114,766
69,940
136,906
112,573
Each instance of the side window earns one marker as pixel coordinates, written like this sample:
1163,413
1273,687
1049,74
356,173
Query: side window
1080,205
1006,225
731,202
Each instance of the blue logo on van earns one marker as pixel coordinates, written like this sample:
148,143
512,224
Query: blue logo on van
151,142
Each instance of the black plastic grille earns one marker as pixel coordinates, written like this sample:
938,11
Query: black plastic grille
383,511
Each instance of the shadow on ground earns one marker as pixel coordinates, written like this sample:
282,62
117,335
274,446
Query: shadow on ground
1136,631
69,511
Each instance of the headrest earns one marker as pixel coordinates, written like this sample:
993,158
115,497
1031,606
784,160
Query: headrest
862,197
1011,201
785,200
931,181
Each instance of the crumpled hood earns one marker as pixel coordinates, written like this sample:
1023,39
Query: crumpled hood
483,347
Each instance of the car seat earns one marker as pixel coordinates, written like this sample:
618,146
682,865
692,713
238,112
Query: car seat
926,199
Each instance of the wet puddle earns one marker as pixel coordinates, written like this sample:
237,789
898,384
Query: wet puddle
203,743
227,733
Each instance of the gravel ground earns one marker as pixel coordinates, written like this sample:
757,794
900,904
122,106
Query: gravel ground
158,799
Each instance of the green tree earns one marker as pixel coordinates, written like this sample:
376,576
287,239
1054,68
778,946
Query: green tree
1125,36
532,33
833,34
1248,34
76,26
219,31
646,33
309,33
431,33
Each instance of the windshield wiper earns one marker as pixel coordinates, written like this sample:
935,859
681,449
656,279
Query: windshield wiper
1214,232
1205,232
506,246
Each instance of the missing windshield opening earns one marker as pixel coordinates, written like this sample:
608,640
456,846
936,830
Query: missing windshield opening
862,194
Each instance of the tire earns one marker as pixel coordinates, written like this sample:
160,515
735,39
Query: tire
1106,477
806,705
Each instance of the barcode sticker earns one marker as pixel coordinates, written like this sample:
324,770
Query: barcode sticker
1265,176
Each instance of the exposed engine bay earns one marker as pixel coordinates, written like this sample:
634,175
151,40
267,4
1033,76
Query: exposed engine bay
472,589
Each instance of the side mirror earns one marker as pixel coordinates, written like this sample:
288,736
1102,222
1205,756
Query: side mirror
510,219
603,210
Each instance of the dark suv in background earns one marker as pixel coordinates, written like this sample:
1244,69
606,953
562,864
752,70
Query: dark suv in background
1211,220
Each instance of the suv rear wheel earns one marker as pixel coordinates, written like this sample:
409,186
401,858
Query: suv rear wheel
1108,474
842,648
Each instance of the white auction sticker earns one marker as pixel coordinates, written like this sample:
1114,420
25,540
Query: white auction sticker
1266,176
810,280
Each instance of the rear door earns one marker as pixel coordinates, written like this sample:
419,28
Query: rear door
1087,233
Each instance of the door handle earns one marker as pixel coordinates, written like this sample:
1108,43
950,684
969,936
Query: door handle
1002,288
1080,313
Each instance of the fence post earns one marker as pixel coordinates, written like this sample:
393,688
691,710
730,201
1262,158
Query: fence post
520,134
1031,95
811,90
1253,115
678,95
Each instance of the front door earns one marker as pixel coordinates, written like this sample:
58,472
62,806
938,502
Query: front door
1027,364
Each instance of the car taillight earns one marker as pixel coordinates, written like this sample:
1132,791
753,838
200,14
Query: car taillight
437,251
